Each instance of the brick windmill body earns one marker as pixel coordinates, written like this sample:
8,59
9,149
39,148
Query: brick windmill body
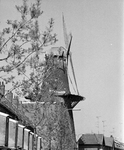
55,110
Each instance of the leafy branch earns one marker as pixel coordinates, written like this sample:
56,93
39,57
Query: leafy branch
21,26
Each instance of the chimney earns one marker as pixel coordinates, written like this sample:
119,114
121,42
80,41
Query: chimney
2,89
9,96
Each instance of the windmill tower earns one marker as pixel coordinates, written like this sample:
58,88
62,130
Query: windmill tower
58,84
56,125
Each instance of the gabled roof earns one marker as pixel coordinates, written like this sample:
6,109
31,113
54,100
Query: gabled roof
109,141
91,139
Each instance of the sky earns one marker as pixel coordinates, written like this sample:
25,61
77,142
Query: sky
97,53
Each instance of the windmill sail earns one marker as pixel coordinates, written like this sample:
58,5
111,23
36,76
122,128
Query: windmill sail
68,40
65,34
74,74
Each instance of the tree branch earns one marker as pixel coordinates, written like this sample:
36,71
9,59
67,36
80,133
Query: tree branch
2,59
25,58
13,34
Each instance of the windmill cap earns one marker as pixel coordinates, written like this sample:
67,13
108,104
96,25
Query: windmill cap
58,51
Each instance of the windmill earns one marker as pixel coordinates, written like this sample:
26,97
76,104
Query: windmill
56,95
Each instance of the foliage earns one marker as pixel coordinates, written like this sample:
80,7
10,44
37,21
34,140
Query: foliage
21,47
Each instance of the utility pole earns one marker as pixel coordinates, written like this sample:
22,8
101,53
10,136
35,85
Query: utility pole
121,124
113,131
98,122
103,126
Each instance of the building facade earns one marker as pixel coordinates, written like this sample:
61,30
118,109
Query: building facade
98,142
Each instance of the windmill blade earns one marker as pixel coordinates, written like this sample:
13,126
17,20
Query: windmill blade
67,39
69,46
65,34
73,74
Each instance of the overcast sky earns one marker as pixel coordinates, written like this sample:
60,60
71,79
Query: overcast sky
97,52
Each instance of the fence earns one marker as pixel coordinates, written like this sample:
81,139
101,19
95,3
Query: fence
12,104
16,136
